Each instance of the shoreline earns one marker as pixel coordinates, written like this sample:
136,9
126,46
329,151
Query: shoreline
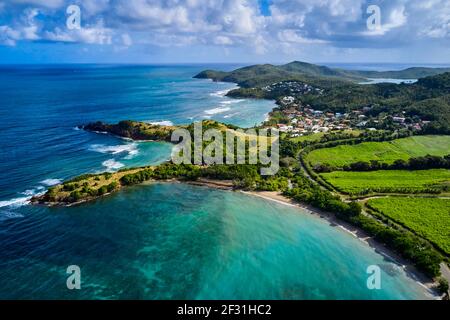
357,233
227,185
411,271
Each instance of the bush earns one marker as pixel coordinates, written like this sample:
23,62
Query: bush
443,285
70,186
102,190
112,186
75,195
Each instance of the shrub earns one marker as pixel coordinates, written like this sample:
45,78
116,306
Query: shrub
442,285
102,190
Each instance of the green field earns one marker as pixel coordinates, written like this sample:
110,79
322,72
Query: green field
428,217
403,181
386,152
319,135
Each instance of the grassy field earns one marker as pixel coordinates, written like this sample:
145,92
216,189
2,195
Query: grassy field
428,217
386,152
319,135
403,181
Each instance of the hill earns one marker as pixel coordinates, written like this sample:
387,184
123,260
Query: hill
265,74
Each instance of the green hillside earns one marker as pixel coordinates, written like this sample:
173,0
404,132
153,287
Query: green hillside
264,74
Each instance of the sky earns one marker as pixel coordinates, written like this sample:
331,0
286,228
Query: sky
221,31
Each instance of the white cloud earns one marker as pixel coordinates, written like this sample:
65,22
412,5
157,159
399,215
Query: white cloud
126,40
291,36
41,3
8,36
396,19
90,35
293,26
222,40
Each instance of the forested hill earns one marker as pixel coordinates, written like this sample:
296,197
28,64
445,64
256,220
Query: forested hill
332,90
266,74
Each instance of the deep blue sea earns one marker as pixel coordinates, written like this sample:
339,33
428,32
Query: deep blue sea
155,241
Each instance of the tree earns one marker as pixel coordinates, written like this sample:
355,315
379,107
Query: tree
443,286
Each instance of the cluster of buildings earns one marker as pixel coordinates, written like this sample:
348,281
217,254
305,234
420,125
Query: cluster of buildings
292,88
306,120
301,120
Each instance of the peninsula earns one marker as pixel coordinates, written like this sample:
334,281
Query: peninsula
363,175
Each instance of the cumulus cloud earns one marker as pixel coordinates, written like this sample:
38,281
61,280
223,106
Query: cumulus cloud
396,19
8,36
41,3
91,35
290,24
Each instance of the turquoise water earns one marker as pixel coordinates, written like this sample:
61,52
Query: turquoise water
41,105
175,241
152,242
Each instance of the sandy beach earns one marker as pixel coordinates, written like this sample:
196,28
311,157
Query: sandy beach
427,283
412,271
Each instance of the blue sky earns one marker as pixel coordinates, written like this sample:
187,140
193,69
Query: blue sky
179,31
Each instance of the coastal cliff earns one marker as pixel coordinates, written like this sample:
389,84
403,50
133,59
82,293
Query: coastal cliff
133,130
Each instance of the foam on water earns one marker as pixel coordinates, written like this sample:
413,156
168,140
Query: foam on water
231,115
22,201
112,165
51,182
227,102
221,93
161,123
16,202
130,148
217,110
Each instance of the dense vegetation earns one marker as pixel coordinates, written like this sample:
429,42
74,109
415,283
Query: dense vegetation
411,247
133,130
390,181
419,163
290,180
428,98
260,75
428,217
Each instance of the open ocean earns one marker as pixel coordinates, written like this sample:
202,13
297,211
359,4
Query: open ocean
155,241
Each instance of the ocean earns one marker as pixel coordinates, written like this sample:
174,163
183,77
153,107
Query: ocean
156,241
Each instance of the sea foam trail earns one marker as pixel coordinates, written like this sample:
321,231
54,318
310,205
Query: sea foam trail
220,93
227,102
131,149
29,193
161,123
22,201
217,110
51,182
112,165
231,115
16,202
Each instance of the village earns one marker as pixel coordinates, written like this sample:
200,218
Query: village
298,120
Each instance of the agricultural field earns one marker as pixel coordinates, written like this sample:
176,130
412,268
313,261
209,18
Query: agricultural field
388,152
428,217
317,136
386,181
